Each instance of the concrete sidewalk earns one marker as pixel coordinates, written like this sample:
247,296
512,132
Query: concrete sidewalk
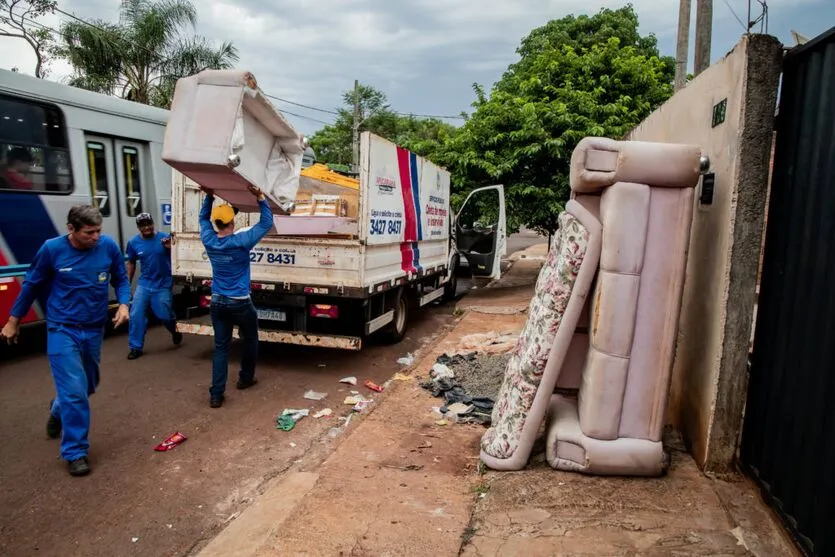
398,483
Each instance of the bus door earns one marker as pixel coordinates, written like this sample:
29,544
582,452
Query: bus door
132,185
101,168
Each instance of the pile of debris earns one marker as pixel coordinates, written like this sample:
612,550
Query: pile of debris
469,385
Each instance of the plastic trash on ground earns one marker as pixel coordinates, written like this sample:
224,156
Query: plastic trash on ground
406,360
288,418
171,442
313,395
373,386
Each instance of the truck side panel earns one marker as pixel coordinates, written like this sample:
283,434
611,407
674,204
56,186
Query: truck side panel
405,198
405,201
385,262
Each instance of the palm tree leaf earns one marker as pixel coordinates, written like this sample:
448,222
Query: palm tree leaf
143,56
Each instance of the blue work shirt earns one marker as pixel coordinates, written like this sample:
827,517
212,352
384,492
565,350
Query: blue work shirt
229,255
154,261
76,281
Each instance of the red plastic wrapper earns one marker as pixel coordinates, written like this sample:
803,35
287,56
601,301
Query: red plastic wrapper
373,386
171,441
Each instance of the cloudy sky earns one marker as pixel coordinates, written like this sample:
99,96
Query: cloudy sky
424,54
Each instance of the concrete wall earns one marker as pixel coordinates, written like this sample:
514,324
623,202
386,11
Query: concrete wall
709,382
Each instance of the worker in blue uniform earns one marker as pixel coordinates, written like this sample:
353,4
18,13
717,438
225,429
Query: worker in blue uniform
75,272
152,249
228,253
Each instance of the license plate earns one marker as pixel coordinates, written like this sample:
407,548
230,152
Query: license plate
272,315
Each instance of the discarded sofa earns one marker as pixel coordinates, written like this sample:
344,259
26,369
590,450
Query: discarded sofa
225,135
623,238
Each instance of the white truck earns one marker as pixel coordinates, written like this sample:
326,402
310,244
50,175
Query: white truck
355,256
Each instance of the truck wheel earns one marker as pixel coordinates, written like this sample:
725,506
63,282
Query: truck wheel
396,330
451,287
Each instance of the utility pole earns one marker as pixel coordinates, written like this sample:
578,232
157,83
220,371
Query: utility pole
704,32
683,44
355,158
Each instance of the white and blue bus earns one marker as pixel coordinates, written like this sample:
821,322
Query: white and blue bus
61,146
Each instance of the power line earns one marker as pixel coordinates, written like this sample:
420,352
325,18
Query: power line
436,116
31,21
763,18
93,25
326,111
739,19
306,117
51,29
304,105
317,109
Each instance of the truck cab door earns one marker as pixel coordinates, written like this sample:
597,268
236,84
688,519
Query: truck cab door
481,231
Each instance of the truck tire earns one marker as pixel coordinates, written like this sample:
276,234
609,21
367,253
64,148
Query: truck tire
396,330
451,287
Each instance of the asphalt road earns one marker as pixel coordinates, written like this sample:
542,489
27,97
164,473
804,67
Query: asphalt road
523,240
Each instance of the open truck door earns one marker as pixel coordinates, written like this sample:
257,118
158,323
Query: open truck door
481,231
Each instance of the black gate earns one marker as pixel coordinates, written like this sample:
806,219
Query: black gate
788,440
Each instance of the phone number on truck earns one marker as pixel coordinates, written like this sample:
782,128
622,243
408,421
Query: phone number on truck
386,226
272,258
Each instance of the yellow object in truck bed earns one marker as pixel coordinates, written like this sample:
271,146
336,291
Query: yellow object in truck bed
325,193
323,173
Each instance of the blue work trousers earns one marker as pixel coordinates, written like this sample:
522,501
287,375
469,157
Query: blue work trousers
74,355
226,314
160,301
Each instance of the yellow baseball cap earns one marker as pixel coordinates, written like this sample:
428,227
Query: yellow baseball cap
224,213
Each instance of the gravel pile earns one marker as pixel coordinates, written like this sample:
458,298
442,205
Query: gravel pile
481,375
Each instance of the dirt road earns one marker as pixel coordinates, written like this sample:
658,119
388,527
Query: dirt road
141,502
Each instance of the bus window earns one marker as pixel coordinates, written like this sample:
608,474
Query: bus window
97,163
34,154
133,184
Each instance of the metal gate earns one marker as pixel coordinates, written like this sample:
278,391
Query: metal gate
788,440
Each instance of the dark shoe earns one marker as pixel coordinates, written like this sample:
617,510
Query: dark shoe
79,467
53,427
134,354
177,338
241,385
216,401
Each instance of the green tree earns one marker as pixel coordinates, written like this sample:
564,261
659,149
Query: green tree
18,19
333,142
141,57
577,77
423,136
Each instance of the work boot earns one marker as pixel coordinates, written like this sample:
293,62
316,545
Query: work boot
134,354
53,426
79,467
241,385
216,401
177,338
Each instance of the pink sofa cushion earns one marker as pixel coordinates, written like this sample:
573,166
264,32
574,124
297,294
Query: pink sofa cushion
656,319
624,210
598,163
